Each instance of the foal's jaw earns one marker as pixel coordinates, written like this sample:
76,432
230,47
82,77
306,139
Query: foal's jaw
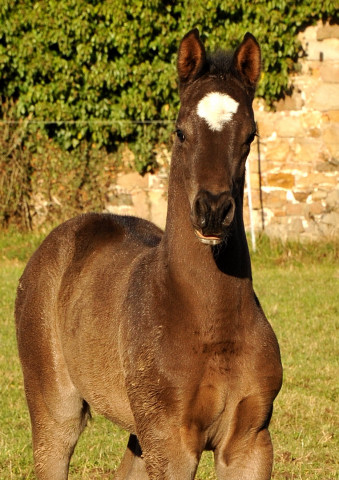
207,240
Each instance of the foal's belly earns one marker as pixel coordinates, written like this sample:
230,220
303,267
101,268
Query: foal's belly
92,348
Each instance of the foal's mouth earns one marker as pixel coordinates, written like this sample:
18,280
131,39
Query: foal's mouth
208,239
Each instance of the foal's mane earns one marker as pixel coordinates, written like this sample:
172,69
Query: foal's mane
219,62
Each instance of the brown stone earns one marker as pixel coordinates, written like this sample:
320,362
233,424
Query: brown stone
265,124
141,206
268,165
132,180
295,209
301,195
331,116
331,138
328,31
332,199
158,207
290,102
332,219
317,179
274,198
329,72
314,209
282,180
328,164
277,151
255,183
255,199
120,209
319,194
306,151
326,97
290,126
315,132
280,212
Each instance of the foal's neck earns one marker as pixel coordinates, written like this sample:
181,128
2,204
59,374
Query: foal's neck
195,262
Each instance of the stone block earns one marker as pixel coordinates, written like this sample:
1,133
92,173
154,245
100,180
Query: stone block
301,195
132,180
141,205
331,138
312,209
255,198
327,49
280,212
120,209
325,97
255,181
274,198
318,195
290,102
331,219
282,180
311,120
329,72
158,207
117,198
330,116
266,124
293,209
327,31
327,164
277,151
306,151
332,199
290,126
317,179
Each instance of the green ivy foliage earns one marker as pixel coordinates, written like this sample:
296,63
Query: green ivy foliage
103,72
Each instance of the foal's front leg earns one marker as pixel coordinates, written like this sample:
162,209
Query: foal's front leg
247,454
246,460
161,461
167,455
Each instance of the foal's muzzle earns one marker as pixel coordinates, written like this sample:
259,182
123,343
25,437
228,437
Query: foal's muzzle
211,215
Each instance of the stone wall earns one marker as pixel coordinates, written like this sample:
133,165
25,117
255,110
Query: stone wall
293,167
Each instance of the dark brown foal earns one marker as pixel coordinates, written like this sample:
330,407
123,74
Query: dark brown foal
161,332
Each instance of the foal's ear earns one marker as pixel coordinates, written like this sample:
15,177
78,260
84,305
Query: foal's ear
191,57
247,61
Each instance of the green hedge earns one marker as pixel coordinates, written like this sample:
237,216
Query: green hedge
105,64
94,75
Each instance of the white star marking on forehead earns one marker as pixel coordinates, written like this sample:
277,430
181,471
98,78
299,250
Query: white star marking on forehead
217,109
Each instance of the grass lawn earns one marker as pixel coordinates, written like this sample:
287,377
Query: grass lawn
298,287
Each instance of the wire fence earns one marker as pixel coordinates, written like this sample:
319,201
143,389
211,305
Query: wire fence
86,122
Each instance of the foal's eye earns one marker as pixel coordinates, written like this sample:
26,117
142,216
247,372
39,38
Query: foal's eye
180,135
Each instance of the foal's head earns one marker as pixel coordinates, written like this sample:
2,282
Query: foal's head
215,128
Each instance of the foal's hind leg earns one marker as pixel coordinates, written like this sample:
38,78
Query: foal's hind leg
132,466
56,427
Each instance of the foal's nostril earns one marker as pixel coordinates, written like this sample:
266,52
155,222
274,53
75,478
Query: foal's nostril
201,211
212,213
227,213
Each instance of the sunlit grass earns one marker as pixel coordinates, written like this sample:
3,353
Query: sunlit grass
298,287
